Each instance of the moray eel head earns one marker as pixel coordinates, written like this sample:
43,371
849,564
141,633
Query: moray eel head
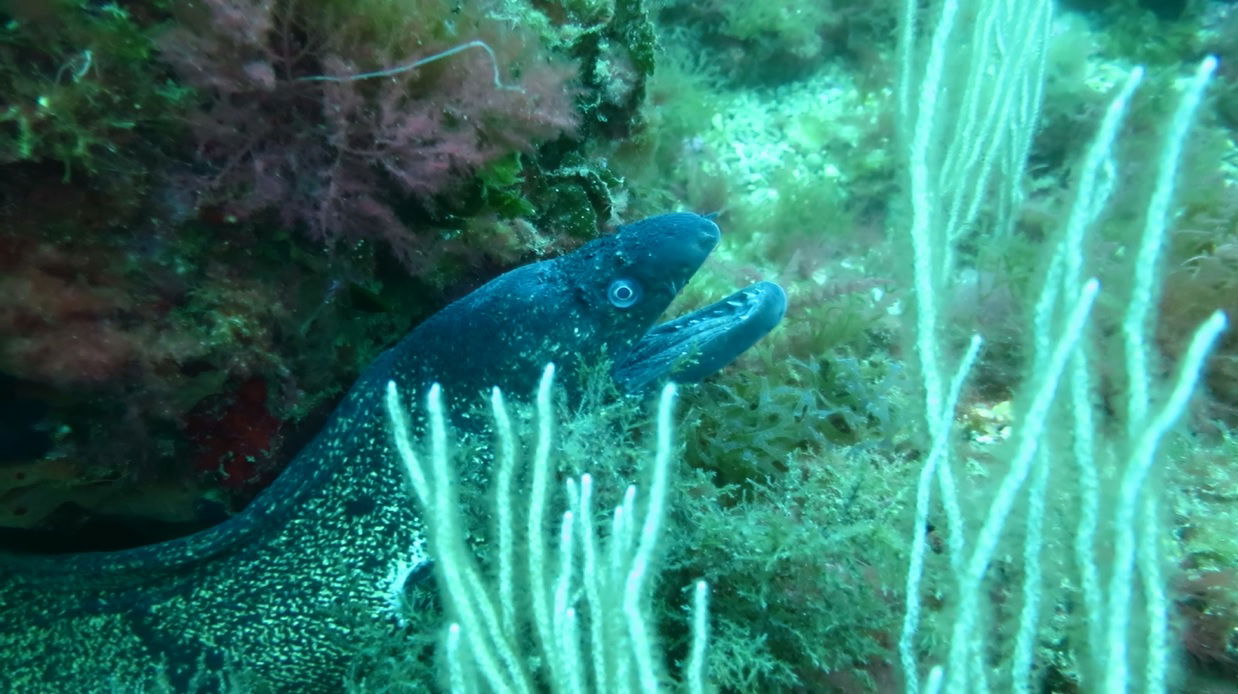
600,301
628,280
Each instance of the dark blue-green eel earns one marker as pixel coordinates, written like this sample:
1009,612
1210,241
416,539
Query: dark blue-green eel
279,589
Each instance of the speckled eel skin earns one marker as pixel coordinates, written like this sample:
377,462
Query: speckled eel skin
278,588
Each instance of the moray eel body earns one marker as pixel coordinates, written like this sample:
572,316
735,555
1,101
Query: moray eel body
280,588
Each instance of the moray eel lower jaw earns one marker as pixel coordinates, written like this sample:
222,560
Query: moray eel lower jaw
691,347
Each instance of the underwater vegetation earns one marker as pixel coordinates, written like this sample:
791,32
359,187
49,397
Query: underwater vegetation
288,124
186,210
213,215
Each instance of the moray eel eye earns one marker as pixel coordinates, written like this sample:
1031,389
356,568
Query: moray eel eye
623,293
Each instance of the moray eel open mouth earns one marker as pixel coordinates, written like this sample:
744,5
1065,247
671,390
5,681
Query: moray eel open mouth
693,346
622,283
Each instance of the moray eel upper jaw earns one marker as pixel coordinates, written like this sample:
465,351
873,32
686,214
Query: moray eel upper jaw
623,282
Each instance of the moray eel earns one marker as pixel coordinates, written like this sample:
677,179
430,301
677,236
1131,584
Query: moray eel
280,588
